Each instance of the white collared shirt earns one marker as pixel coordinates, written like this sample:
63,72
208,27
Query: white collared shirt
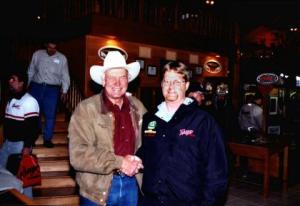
167,115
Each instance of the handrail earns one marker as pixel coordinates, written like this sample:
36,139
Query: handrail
74,96
181,16
17,198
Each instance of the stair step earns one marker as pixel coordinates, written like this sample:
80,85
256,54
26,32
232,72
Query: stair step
56,182
59,138
60,117
58,185
57,151
49,192
55,186
61,127
54,166
57,200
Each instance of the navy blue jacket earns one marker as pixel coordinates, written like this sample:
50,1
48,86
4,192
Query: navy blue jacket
185,161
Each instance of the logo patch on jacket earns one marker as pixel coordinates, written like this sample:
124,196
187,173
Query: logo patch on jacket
150,132
186,132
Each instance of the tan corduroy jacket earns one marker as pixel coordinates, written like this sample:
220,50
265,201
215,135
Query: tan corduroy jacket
91,147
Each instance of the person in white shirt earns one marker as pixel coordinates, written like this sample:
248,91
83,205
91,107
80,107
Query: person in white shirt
48,75
251,116
20,125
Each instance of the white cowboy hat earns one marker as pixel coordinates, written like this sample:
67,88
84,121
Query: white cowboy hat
114,60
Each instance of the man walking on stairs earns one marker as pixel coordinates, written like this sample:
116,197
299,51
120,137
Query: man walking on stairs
104,134
49,80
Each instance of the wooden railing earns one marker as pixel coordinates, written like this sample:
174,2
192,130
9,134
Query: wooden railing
74,96
172,14
182,16
186,16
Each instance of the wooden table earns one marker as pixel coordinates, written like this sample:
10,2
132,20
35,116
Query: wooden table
263,153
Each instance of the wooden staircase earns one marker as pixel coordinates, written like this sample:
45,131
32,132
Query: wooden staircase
58,183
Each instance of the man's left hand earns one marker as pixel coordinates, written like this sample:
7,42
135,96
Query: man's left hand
63,97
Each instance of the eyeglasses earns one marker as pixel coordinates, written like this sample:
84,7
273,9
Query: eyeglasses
175,83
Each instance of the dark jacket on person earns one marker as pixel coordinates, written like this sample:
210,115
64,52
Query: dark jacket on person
185,161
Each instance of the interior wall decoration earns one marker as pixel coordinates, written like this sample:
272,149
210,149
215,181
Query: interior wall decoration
145,52
198,70
171,55
190,74
214,66
153,57
274,130
193,59
152,70
141,62
102,52
273,104
267,79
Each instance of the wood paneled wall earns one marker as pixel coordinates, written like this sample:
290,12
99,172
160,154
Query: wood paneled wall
158,55
74,50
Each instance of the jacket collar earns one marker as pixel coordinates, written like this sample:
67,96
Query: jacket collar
163,112
104,109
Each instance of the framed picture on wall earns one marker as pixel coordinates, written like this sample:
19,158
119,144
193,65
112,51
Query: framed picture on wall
198,70
152,70
275,130
190,74
141,62
273,104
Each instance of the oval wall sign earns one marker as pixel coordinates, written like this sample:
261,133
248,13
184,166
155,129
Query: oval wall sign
267,78
212,66
102,52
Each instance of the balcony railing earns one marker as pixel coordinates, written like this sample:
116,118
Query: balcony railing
172,14
182,16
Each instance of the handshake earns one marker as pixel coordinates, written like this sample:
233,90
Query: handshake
131,165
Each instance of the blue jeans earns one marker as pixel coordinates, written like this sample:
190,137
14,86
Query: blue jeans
123,192
47,97
9,148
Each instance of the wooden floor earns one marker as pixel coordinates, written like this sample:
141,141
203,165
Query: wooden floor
246,193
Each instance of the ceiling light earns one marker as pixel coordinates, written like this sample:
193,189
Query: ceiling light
210,2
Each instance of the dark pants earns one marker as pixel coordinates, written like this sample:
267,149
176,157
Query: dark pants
47,97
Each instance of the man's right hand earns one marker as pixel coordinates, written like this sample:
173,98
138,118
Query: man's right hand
131,165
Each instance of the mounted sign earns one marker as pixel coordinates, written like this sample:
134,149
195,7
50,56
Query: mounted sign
267,78
102,52
212,66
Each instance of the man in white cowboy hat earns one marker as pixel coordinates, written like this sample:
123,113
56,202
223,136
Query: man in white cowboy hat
104,135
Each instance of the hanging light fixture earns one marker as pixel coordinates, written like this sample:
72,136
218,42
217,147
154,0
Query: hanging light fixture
210,2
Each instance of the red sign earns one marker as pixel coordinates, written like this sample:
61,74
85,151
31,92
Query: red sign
267,78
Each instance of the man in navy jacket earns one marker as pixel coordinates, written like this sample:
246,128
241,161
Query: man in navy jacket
183,152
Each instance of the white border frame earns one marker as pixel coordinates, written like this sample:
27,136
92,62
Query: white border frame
274,130
141,62
275,99
152,70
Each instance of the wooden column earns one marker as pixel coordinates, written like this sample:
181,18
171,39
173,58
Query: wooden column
236,71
